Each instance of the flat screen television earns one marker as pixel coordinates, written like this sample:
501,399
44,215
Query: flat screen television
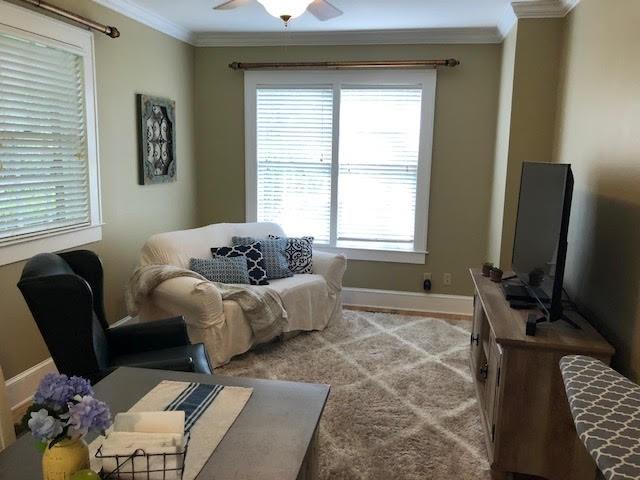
540,245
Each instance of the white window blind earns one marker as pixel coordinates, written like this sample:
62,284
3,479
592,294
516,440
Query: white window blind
294,157
44,181
379,146
344,156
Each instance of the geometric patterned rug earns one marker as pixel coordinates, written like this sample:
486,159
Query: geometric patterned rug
402,405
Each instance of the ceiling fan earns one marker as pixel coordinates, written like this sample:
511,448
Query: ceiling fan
288,9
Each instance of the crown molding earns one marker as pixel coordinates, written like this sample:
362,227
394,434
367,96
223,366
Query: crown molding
517,9
148,18
543,8
507,22
362,37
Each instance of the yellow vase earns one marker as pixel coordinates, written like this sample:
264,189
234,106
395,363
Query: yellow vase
64,459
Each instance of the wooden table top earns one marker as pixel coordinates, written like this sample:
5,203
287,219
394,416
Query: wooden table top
268,440
508,324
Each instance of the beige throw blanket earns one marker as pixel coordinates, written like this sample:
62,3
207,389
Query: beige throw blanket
261,306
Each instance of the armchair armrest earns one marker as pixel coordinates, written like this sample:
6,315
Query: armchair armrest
182,364
200,303
144,337
332,267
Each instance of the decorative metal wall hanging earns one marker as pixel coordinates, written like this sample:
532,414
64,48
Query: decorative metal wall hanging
157,140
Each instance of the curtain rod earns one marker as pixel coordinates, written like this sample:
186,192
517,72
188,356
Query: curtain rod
449,62
106,29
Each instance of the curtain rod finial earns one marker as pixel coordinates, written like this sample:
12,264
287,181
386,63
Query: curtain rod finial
452,62
234,66
113,32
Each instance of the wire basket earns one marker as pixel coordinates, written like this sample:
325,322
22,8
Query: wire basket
145,466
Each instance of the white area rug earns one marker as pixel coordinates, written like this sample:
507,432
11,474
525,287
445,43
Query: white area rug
402,404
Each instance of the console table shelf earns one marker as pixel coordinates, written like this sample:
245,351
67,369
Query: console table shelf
524,410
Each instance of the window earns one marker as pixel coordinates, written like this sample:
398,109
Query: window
48,154
342,156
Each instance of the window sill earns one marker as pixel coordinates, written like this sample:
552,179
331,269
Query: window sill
51,242
391,256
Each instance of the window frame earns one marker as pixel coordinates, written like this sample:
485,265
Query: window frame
424,79
24,23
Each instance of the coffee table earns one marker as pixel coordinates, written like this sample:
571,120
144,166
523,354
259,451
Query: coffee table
274,438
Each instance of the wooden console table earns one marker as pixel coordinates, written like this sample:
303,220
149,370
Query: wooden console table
524,411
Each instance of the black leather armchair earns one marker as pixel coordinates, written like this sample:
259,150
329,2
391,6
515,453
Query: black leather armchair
65,295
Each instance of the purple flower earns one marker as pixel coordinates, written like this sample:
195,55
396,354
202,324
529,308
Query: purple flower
81,386
43,426
56,390
86,413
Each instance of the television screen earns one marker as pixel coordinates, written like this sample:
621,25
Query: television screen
539,248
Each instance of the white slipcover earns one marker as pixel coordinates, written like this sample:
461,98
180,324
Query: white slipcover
312,301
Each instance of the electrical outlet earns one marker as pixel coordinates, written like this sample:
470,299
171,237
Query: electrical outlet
446,279
426,282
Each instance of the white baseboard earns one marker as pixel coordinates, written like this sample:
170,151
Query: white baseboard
410,301
20,389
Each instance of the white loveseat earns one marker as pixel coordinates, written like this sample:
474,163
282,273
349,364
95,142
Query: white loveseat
312,301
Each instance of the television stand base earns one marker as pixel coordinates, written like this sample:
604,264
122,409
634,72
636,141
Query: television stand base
519,387
533,320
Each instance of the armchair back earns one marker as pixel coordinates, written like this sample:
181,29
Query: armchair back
177,248
64,294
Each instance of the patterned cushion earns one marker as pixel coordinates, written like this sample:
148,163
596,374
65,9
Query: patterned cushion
254,256
606,411
275,258
220,269
299,253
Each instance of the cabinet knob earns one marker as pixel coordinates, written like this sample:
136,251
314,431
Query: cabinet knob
475,339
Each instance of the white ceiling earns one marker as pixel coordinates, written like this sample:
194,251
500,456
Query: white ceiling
365,22
198,15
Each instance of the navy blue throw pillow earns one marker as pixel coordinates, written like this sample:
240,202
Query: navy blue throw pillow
275,258
254,256
299,253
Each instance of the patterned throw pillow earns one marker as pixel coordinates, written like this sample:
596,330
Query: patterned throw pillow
299,253
254,256
275,258
223,270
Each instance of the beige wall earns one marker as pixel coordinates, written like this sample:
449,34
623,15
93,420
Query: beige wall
503,131
466,111
531,59
599,134
141,61
533,110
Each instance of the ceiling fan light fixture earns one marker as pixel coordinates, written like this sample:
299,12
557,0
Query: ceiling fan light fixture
285,8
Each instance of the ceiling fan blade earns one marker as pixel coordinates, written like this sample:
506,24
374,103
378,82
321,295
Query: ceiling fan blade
231,4
323,10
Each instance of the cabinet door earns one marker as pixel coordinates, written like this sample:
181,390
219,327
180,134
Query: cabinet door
492,388
479,323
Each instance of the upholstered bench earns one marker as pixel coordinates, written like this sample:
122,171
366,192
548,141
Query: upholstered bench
606,411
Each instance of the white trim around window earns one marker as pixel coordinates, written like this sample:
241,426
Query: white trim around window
337,80
24,24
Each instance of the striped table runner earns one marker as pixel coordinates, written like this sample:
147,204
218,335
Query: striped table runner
194,401
210,410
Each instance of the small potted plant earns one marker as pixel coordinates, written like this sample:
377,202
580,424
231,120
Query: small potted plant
64,410
496,274
486,268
